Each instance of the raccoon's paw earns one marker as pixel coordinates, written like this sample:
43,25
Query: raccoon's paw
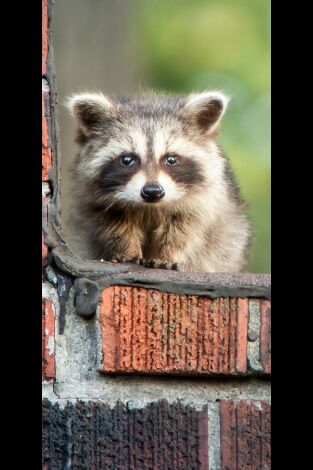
156,264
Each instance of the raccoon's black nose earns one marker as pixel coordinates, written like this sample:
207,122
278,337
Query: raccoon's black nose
152,192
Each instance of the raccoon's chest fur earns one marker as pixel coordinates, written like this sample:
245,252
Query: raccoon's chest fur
153,227
153,238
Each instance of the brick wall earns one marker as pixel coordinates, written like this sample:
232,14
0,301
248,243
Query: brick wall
48,311
154,378
157,436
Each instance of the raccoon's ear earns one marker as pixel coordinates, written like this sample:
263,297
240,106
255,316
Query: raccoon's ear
206,109
90,110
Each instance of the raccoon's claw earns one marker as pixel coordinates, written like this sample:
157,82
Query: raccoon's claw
135,260
152,263
119,259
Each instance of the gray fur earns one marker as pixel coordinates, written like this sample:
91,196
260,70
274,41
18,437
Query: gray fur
201,222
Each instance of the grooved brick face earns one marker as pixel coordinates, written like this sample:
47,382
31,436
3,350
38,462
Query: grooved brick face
44,251
265,340
245,435
94,436
44,7
44,248
48,324
147,331
46,151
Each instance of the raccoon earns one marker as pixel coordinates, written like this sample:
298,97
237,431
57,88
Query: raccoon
151,183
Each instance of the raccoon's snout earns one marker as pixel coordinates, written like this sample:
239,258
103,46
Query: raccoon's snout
152,192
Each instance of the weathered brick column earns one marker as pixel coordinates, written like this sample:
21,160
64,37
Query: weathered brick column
48,309
142,368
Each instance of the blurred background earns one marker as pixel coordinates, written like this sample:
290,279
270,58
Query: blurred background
120,46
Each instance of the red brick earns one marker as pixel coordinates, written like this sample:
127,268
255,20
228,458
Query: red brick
245,435
48,325
242,332
44,36
44,253
46,151
147,331
45,220
265,340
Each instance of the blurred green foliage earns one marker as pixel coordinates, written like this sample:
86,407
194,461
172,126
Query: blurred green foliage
187,45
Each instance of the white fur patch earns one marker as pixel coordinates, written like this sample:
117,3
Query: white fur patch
97,98
173,192
112,150
132,189
198,101
131,192
163,143
159,143
188,148
139,142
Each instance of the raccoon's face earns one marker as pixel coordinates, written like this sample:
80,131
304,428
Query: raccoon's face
155,150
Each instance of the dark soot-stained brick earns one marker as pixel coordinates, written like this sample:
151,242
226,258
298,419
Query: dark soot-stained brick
94,436
54,436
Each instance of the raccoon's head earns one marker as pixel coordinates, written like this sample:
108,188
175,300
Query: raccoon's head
152,150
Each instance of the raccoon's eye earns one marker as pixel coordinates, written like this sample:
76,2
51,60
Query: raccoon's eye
128,160
171,160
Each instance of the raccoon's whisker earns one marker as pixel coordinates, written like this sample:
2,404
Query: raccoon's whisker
107,208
